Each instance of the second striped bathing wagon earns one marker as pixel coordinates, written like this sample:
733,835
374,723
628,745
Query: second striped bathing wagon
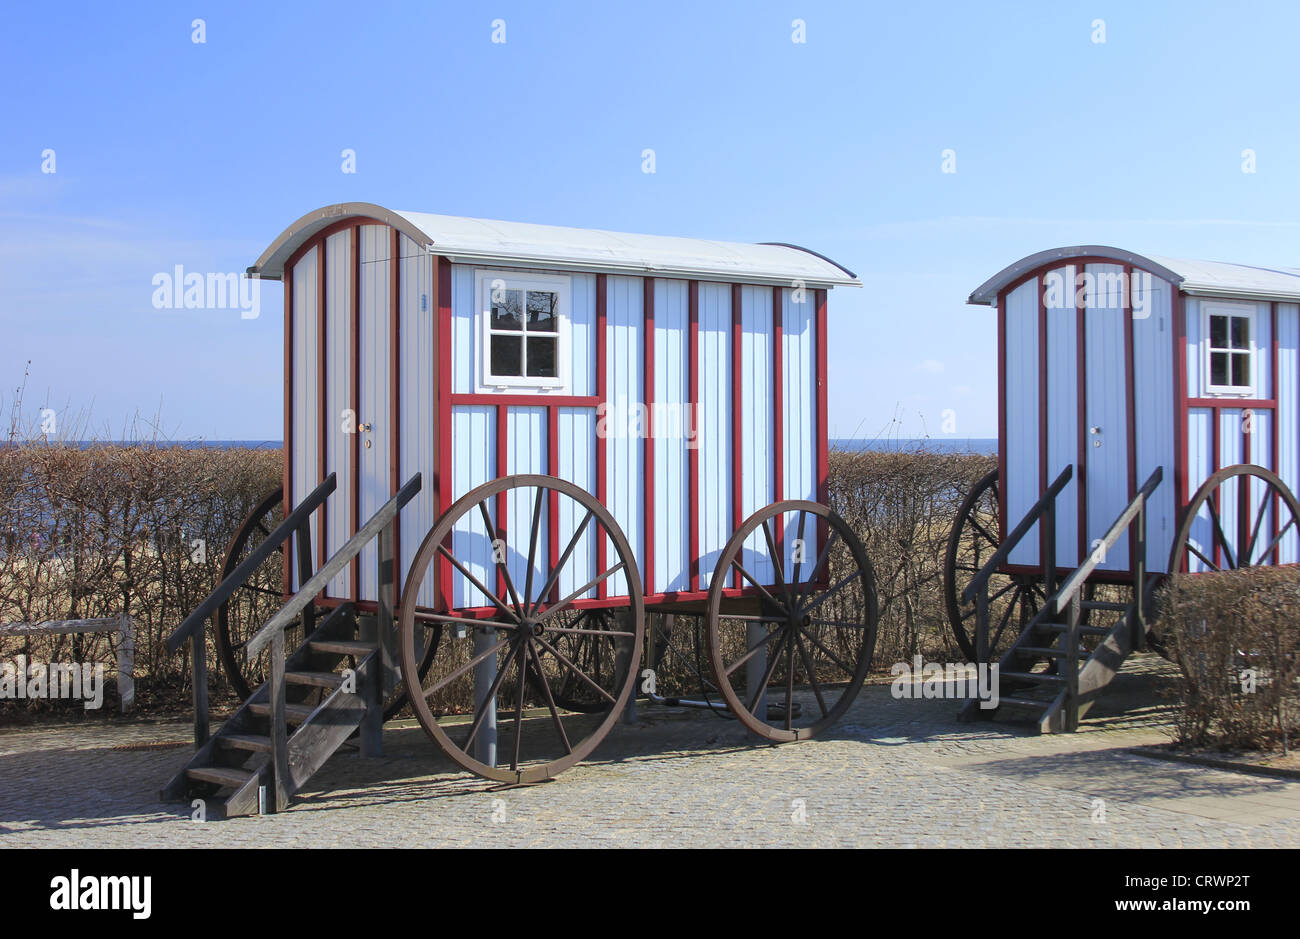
582,429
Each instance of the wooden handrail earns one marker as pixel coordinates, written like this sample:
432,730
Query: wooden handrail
1075,581
1009,544
308,591
240,574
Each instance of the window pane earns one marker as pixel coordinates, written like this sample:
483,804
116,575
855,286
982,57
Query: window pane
507,309
542,308
1241,369
541,356
1240,332
1218,368
1218,332
507,354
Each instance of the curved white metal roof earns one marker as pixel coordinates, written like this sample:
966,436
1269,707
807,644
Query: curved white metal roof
1195,278
521,243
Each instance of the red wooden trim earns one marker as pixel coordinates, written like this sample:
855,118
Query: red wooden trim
664,600
602,390
442,428
1043,428
354,258
539,400
1216,462
1178,328
503,470
1081,414
1002,415
1255,404
648,441
778,409
1130,406
553,497
395,399
693,451
1102,576
321,405
823,422
286,481
1274,428
332,229
737,398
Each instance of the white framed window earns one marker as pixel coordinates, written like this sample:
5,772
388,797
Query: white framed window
524,325
1229,361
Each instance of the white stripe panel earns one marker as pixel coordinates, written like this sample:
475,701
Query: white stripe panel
473,446
1063,418
1153,359
305,407
624,455
375,410
1107,475
338,400
1288,400
671,456
525,455
757,467
714,426
419,450
576,430
1021,485
799,413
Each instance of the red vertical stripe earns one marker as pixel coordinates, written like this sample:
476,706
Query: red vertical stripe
1130,407
1043,429
355,395
287,472
321,404
395,399
1274,425
1002,415
648,450
737,398
693,454
602,392
1177,314
503,470
778,409
442,355
553,497
1081,408
823,423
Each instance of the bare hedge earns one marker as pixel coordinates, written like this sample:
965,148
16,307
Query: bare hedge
1236,638
110,529
141,529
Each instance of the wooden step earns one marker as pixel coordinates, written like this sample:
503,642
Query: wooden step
293,713
252,742
1051,651
1037,704
221,775
341,646
329,680
1031,676
1112,605
1083,630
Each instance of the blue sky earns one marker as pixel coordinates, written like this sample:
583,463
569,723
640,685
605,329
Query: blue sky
170,152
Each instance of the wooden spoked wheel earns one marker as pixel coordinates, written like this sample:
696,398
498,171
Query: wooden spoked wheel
1013,599
1238,518
255,601
791,659
509,622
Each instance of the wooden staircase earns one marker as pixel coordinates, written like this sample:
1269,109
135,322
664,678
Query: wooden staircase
318,696
1072,674
234,770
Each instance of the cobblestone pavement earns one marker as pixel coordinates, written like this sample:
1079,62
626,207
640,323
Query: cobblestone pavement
893,773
